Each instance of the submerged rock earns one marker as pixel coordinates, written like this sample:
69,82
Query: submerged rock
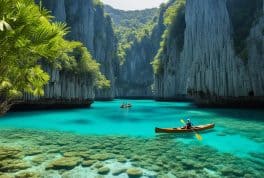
6,176
28,175
11,165
88,163
33,151
39,159
122,159
101,157
10,153
103,170
229,171
117,172
134,172
64,163
83,154
98,165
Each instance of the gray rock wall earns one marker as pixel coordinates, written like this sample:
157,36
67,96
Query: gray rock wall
208,65
208,49
66,86
89,25
136,74
256,56
57,8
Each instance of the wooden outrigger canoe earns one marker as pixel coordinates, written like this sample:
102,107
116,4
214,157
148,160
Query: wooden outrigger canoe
184,130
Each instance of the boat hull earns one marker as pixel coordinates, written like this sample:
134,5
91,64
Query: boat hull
183,130
126,106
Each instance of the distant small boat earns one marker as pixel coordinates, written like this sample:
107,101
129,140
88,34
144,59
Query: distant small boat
184,130
126,106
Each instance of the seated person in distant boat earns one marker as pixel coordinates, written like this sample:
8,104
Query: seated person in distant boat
188,124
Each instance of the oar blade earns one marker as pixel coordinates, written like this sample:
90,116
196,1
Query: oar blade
182,121
199,137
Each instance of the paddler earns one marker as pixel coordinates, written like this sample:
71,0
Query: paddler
188,124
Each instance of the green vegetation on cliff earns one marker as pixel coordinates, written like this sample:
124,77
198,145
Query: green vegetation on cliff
174,20
27,38
131,26
98,3
81,62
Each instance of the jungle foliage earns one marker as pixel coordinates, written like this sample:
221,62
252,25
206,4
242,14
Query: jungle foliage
27,37
131,27
174,20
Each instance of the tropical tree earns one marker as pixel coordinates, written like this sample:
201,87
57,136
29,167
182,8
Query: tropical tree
27,37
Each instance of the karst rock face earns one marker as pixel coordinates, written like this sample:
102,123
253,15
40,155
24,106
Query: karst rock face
89,25
136,74
207,65
256,56
65,90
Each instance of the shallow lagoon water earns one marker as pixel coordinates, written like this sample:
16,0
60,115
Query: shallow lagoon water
234,148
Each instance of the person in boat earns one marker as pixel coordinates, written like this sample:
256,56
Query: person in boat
126,105
123,104
188,124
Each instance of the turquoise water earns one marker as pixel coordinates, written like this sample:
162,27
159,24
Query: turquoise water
106,118
238,132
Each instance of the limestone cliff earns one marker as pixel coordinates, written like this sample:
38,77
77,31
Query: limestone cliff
207,64
136,76
89,25
56,7
141,31
255,47
64,90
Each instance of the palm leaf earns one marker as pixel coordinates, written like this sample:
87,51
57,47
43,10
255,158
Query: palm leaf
4,25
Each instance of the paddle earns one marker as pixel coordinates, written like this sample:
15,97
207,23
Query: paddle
198,136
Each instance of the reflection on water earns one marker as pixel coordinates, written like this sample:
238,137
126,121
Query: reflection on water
107,140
